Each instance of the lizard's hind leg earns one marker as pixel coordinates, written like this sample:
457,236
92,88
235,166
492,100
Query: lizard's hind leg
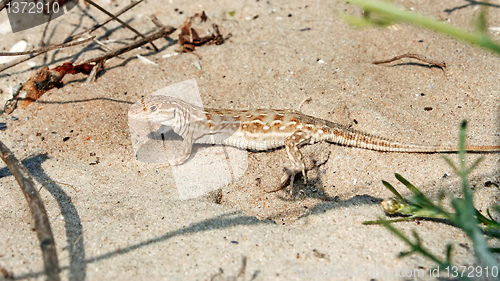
292,144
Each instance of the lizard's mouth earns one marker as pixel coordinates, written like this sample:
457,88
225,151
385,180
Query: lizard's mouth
138,112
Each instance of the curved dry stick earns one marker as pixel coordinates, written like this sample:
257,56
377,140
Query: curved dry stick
431,62
42,225
48,48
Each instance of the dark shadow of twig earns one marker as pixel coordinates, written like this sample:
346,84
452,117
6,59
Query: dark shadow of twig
471,3
73,224
220,222
84,100
357,200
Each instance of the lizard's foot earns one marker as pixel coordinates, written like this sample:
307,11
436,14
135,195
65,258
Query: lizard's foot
290,174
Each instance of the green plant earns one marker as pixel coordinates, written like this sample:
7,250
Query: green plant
383,13
464,214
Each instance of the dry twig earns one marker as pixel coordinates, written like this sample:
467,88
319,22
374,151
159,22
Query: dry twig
119,20
156,21
17,61
431,62
42,225
48,48
46,79
93,74
97,26
38,52
3,4
158,34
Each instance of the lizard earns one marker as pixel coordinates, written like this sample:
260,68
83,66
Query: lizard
264,130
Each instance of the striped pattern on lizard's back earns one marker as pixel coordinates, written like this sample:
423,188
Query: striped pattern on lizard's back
265,129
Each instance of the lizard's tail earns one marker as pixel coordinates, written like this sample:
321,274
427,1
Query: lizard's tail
350,137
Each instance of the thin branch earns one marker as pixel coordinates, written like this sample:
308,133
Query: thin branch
17,61
118,20
106,48
42,225
97,26
3,4
48,48
158,34
156,21
94,72
431,62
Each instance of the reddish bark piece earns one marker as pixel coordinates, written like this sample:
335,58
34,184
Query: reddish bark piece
44,80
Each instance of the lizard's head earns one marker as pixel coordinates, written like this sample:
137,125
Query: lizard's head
158,109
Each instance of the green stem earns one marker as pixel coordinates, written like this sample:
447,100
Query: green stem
391,12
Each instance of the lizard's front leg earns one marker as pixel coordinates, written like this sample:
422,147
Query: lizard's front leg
292,144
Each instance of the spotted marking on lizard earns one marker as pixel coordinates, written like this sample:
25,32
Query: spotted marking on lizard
265,129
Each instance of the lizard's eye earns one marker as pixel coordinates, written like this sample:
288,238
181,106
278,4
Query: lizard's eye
153,108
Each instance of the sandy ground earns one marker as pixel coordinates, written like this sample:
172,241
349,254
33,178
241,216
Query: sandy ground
115,218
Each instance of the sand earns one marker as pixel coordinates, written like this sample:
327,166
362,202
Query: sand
116,218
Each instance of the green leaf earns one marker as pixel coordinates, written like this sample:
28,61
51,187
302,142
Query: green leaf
394,191
390,13
448,253
481,22
475,164
390,221
450,163
356,21
408,184
404,254
495,250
